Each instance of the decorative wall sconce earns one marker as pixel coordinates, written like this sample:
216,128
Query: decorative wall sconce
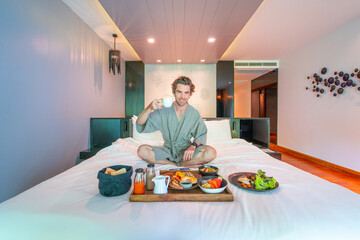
114,58
336,83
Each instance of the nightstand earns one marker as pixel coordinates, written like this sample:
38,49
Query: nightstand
272,153
103,132
89,153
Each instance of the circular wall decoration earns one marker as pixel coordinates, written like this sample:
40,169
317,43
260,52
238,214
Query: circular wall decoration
337,83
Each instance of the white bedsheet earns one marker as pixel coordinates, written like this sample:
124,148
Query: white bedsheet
69,206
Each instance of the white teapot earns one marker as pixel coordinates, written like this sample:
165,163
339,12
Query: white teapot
161,187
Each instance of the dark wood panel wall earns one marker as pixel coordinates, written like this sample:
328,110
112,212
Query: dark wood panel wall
105,131
134,88
225,89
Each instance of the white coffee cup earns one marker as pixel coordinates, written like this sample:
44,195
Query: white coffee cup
167,101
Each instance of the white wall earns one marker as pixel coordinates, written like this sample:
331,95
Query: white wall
327,127
53,77
159,77
242,99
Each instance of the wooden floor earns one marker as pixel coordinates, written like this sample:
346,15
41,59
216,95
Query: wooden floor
346,180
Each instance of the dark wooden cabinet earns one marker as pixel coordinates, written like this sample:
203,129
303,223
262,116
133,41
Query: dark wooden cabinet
254,130
272,153
103,132
88,153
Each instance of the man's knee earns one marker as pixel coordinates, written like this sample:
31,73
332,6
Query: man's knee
209,153
143,151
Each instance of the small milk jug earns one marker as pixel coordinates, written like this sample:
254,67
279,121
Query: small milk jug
161,187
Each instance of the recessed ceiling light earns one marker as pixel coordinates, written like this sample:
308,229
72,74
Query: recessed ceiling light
158,60
202,60
151,40
211,40
179,60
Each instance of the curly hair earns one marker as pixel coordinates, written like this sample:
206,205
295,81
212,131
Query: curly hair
185,81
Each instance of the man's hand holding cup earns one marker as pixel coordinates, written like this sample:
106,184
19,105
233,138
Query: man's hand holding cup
156,104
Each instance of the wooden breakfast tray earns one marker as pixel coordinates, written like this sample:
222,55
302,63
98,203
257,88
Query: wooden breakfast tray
191,195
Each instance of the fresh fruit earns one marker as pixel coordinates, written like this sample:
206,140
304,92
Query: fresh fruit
169,174
191,179
207,169
207,185
218,181
180,174
212,183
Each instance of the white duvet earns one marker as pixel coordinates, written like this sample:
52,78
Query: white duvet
69,206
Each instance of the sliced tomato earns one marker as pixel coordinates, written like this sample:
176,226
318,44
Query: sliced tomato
218,181
169,174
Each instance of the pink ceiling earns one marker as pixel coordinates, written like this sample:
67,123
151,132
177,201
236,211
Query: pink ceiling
180,28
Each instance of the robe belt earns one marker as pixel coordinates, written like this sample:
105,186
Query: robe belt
174,144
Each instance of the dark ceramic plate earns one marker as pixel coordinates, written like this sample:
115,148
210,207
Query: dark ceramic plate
233,179
209,173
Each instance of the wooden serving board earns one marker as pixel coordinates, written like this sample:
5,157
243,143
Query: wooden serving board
191,195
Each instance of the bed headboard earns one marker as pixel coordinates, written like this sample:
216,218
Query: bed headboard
105,131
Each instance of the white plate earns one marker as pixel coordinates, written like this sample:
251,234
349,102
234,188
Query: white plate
212,190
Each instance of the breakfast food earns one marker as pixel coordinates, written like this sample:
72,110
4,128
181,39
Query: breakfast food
109,171
208,169
189,174
169,174
263,182
181,176
244,179
175,183
212,183
113,172
259,181
193,180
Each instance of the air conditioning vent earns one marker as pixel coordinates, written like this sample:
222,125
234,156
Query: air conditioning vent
242,64
270,64
249,71
256,64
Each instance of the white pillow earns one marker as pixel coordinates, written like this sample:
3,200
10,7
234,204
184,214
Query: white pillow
218,130
155,136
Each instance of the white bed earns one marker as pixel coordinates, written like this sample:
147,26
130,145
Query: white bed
69,206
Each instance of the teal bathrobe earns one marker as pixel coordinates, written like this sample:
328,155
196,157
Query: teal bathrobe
176,133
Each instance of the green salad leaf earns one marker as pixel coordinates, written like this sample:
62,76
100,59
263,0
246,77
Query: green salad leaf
262,182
